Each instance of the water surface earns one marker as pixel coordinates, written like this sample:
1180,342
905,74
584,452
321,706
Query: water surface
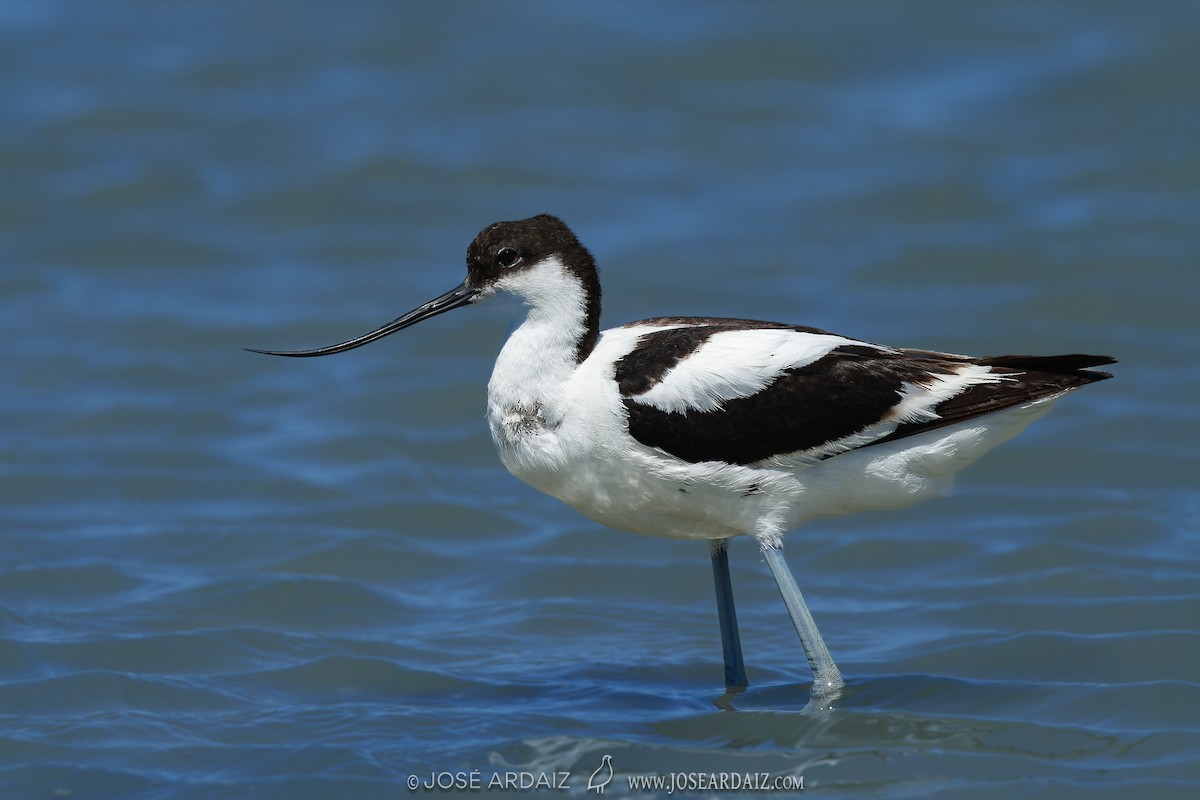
225,575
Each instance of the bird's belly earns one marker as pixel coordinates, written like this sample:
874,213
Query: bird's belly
629,499
620,489
639,489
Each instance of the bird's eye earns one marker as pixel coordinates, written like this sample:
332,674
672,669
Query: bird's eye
507,257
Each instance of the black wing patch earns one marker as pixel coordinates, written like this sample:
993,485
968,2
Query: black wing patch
836,396
839,395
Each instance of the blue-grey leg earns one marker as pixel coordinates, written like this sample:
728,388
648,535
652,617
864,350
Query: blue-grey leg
827,680
731,640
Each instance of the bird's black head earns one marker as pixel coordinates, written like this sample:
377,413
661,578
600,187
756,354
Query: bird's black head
503,248
502,256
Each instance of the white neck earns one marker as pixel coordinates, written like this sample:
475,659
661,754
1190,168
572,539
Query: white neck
540,355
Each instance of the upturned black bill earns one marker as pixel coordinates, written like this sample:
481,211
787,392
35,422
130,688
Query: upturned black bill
458,296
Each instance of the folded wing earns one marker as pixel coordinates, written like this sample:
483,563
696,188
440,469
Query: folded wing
741,392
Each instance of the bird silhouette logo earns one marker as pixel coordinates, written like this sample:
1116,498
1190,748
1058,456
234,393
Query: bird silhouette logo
602,776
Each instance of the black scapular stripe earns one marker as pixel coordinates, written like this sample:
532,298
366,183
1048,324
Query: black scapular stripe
658,352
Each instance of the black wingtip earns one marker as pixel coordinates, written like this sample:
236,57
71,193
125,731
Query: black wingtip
1074,364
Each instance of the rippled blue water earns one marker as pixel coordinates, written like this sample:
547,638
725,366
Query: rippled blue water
228,576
